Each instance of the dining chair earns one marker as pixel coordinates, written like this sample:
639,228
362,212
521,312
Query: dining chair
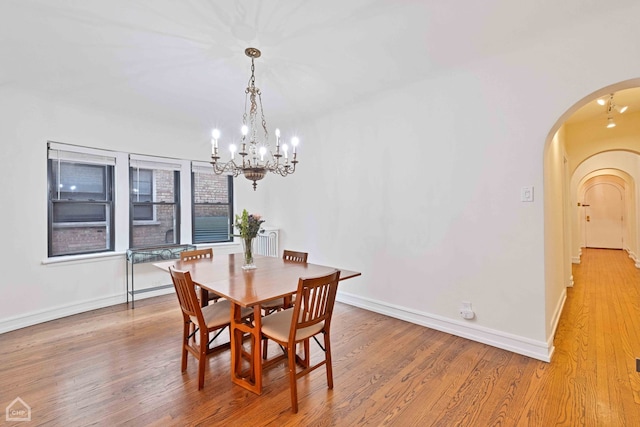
310,316
278,304
197,254
202,321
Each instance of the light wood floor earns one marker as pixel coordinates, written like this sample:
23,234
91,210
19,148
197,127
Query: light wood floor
116,366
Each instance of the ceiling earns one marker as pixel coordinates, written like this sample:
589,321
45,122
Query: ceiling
184,60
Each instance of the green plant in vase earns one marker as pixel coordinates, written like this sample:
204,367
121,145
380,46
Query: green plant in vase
248,226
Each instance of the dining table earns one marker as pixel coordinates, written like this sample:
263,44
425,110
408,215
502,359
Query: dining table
273,278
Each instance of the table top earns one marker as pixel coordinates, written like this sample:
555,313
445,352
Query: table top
273,278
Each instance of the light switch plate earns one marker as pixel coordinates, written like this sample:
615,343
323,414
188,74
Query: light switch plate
526,194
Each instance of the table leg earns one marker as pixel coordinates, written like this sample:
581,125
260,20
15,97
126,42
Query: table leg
287,302
246,366
204,297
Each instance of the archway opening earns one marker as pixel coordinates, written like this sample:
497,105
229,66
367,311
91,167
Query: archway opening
580,134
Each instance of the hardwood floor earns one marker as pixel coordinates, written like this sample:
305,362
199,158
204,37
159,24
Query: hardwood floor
117,366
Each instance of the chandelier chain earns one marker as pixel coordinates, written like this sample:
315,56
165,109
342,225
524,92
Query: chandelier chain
264,121
253,74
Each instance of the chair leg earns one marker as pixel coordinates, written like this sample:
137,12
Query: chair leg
265,347
307,351
185,343
204,340
292,378
328,365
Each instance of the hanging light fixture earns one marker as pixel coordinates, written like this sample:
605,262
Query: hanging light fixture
255,152
611,107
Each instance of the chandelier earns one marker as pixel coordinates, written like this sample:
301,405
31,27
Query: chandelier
256,156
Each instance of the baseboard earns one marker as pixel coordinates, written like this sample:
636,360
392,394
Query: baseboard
517,344
30,319
535,349
555,321
634,257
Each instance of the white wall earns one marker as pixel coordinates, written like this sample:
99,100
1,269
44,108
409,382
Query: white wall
417,188
426,203
33,291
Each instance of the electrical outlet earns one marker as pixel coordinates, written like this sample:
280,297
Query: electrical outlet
466,312
468,315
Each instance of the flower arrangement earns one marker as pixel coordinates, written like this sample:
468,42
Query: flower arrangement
248,225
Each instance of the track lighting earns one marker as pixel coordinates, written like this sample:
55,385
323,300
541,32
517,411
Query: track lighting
610,123
611,107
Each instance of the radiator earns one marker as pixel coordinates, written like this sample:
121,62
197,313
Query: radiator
267,242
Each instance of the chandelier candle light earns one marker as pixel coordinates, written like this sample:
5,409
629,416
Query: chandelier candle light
257,156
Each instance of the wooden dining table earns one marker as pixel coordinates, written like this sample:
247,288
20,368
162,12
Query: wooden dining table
273,278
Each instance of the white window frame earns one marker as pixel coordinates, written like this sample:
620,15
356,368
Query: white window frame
66,153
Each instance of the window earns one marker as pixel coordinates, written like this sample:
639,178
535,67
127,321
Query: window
212,212
142,191
107,201
154,201
80,213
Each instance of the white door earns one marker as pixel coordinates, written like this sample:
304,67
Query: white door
603,216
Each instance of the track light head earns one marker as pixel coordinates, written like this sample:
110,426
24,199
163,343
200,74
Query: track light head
611,108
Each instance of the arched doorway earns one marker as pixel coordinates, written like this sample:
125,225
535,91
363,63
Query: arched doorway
593,172
575,138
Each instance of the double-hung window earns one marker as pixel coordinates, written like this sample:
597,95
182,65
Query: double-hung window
212,210
154,210
80,208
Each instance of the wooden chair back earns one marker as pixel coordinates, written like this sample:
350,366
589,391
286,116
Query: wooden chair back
315,299
196,254
186,292
295,256
200,254
278,304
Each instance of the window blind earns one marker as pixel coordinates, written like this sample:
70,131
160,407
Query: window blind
148,162
203,167
72,153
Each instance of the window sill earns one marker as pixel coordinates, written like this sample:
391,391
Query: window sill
82,258
100,224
